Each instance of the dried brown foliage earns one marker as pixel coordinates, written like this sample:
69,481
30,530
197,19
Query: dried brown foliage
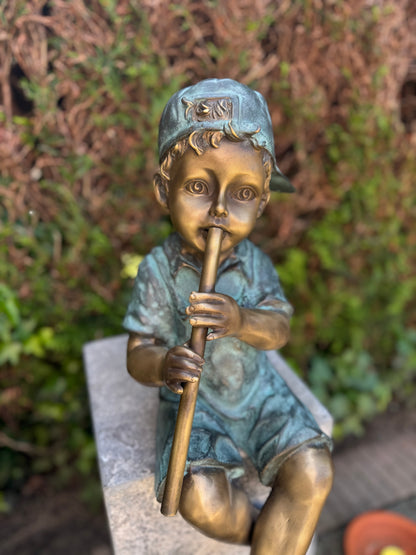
322,53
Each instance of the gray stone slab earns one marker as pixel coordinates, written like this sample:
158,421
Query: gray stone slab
124,418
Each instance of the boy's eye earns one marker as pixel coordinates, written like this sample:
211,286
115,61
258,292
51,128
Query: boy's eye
197,187
245,194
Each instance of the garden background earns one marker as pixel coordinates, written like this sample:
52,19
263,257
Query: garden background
82,86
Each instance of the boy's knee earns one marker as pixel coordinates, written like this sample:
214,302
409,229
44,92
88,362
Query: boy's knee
204,496
322,471
218,509
308,474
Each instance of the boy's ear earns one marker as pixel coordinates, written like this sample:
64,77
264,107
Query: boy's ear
264,200
161,191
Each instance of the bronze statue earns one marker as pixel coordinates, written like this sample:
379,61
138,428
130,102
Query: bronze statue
217,166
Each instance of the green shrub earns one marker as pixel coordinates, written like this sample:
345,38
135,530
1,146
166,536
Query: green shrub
352,277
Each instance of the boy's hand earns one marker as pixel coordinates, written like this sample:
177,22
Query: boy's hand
216,311
181,364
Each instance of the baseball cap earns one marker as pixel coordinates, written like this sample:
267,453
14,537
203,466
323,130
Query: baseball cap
213,104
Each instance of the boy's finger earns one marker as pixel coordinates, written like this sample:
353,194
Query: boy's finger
188,367
179,375
203,307
187,354
205,321
197,296
175,387
217,334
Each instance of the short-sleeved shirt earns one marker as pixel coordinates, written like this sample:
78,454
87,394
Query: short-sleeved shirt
243,403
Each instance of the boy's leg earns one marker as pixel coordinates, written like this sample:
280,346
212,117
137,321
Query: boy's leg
219,509
288,519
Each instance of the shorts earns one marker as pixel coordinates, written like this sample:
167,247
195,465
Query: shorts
272,425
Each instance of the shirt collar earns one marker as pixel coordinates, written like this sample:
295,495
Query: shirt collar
180,258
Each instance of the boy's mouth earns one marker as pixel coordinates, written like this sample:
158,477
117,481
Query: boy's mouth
204,231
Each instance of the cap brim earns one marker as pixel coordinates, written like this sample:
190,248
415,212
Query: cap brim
281,183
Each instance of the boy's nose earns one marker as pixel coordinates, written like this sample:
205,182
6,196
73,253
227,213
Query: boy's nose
219,208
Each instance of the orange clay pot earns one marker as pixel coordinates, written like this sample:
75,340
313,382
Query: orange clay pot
370,533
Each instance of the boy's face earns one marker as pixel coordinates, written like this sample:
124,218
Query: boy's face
223,187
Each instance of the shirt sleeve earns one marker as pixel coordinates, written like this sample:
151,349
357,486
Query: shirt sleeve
267,284
149,312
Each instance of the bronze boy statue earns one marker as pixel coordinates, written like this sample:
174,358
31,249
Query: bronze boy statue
217,165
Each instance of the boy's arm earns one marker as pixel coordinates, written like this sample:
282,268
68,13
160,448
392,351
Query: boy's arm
263,329
155,365
145,360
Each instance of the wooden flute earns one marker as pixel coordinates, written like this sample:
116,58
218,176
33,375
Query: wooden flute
186,410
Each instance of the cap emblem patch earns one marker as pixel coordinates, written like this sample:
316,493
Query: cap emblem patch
208,109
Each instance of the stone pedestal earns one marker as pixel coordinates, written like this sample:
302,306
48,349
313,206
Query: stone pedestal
124,417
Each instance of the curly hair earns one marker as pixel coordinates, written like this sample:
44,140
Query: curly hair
200,141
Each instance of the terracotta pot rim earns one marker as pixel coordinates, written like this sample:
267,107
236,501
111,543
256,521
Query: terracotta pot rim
370,532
